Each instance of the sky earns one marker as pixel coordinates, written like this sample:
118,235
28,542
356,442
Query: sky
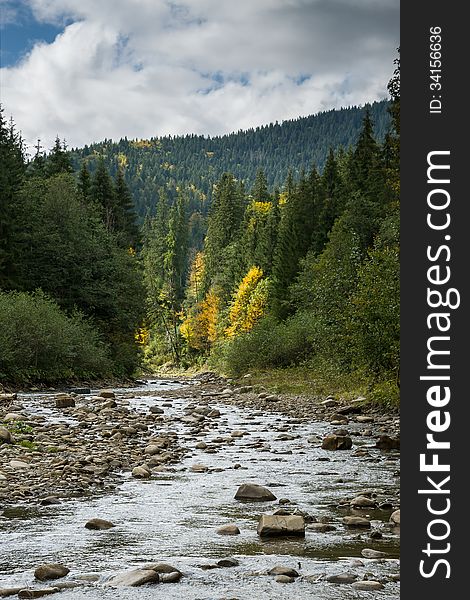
87,70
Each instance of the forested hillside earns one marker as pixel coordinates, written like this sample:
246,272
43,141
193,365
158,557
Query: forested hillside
197,162
307,274
71,290
265,249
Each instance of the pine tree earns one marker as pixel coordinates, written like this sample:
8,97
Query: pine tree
222,258
58,160
102,194
12,169
295,236
126,225
84,182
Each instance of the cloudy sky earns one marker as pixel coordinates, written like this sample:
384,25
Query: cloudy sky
92,69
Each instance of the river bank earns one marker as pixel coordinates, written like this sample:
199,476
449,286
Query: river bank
191,444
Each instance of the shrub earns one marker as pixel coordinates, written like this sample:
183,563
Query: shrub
39,341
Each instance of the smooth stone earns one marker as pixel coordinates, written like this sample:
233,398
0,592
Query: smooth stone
284,579
363,502
5,436
14,417
201,446
162,568
199,468
50,500
277,525
26,593
228,562
141,473
254,492
100,524
106,394
134,578
50,571
395,517
370,553
280,570
172,577
345,578
228,530
358,522
367,586
6,592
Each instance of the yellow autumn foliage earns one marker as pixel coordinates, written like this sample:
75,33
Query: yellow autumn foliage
249,304
196,276
199,329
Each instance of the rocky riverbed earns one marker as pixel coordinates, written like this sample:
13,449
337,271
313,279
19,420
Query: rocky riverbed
216,490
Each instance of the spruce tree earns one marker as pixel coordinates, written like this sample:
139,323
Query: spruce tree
58,160
102,194
12,169
126,225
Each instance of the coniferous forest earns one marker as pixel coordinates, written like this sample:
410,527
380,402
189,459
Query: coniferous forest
268,250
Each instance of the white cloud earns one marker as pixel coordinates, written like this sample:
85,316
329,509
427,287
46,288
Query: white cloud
151,67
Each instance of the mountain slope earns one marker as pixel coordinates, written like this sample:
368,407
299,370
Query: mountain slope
198,161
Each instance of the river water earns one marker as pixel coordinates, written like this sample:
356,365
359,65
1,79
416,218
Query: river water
173,517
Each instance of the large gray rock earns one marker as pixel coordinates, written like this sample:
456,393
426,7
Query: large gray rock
50,571
134,578
395,517
280,525
254,492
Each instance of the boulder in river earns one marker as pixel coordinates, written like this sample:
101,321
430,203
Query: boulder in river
395,517
254,492
228,530
107,394
363,502
345,578
64,401
100,524
284,579
367,586
336,442
29,593
370,553
141,472
281,526
357,522
50,571
385,442
134,578
280,570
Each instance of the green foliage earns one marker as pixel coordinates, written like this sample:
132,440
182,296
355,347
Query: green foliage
38,340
